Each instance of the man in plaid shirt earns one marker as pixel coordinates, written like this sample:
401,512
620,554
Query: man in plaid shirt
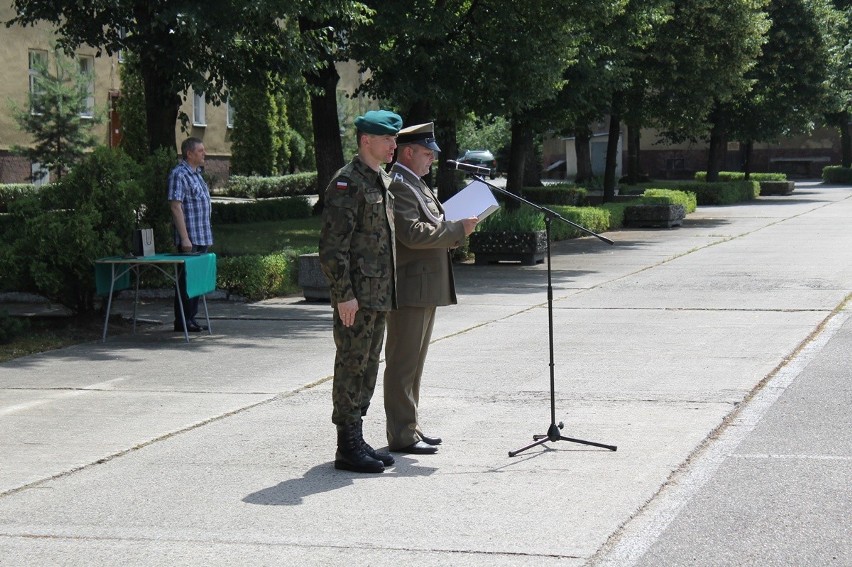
189,200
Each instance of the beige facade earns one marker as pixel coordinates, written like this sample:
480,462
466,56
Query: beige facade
20,44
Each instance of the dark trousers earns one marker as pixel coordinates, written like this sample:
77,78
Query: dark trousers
190,306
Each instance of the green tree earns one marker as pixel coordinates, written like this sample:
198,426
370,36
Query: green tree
788,92
702,57
253,137
838,102
57,116
131,109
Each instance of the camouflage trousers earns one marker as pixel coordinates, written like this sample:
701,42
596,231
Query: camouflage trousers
356,364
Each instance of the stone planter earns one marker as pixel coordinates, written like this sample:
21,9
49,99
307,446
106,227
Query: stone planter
528,248
654,216
311,279
776,187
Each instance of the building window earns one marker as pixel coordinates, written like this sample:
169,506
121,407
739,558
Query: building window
229,116
199,117
40,174
674,164
38,64
87,69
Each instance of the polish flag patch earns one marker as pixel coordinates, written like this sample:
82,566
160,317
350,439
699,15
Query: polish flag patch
342,185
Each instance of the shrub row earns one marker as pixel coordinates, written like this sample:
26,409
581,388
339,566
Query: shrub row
602,218
837,174
256,211
719,193
254,187
740,176
562,194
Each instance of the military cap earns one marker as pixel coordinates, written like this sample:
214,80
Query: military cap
379,122
423,134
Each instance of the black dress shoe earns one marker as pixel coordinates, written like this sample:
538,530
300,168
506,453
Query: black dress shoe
190,327
418,448
199,325
430,440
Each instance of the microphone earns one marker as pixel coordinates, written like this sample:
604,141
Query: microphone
451,163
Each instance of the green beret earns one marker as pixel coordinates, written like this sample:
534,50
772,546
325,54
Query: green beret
379,122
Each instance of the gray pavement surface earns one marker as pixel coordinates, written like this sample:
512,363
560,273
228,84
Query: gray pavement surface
714,355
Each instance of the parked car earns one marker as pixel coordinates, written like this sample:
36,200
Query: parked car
482,158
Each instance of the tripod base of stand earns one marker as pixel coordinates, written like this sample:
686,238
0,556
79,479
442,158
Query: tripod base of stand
554,434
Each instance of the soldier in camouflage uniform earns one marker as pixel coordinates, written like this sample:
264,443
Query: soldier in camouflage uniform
357,255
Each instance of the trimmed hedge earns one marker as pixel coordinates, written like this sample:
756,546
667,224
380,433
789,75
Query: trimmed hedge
256,187
719,193
837,174
265,210
556,195
740,176
258,277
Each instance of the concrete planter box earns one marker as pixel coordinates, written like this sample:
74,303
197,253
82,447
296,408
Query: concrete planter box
776,187
528,248
654,216
311,279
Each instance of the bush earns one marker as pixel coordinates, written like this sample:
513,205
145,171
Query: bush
595,219
670,197
556,195
837,174
254,211
740,176
258,277
60,231
12,191
523,219
253,187
11,327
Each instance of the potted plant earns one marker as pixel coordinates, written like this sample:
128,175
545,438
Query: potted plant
510,236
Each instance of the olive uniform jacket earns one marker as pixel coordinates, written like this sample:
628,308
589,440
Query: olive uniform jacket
424,238
357,247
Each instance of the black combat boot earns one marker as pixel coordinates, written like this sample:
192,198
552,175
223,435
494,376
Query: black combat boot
350,454
386,459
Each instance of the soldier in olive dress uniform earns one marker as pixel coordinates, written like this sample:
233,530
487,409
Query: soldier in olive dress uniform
357,255
424,281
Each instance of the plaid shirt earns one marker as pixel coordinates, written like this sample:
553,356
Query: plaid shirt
188,187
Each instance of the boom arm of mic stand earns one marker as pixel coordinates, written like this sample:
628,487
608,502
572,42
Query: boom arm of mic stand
548,212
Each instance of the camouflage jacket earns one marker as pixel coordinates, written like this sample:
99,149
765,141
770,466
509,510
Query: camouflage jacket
357,247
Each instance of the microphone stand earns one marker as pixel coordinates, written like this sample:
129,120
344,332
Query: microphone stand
554,430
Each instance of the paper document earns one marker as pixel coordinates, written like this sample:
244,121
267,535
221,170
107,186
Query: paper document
475,200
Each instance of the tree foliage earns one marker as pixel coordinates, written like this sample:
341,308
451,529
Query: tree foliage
57,116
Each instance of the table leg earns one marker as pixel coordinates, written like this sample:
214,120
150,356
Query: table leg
180,303
109,301
207,315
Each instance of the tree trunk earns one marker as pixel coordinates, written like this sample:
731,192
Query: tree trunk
161,103
328,147
845,141
532,162
747,153
718,145
445,131
634,169
582,149
611,157
517,153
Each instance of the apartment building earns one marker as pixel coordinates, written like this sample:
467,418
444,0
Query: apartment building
22,47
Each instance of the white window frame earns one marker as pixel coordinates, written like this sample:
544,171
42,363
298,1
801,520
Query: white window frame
33,56
40,174
199,109
87,67
229,114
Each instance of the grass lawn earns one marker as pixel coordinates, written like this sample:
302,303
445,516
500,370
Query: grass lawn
267,237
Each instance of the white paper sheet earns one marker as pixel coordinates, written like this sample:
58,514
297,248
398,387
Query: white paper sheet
475,200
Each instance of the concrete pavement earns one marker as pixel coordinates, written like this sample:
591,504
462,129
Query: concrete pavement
712,355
